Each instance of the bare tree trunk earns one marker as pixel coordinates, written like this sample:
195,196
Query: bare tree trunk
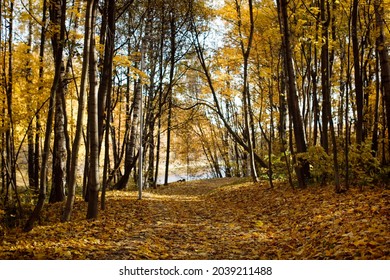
59,148
107,80
10,157
302,168
131,156
40,88
59,40
357,73
106,76
30,132
2,88
93,173
375,131
172,21
382,49
245,50
80,119
325,19
160,102
169,129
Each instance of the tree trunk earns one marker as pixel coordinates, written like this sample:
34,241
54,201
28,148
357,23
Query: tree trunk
93,173
169,128
105,90
131,156
160,101
172,65
302,168
326,106
245,50
357,73
30,132
57,39
40,88
59,149
80,118
106,75
375,130
382,49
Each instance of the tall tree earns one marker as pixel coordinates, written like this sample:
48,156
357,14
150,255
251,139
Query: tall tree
357,72
57,193
93,135
106,86
326,86
29,81
246,96
302,168
80,116
382,49
58,17
172,65
206,71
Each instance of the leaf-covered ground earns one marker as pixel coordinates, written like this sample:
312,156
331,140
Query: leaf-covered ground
216,219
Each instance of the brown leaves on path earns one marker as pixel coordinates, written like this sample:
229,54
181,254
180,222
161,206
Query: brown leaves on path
216,219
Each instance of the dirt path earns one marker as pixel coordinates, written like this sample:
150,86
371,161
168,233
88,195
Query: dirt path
182,222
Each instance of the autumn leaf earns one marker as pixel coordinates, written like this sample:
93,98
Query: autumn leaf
214,219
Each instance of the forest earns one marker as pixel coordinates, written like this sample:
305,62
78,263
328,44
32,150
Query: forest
253,129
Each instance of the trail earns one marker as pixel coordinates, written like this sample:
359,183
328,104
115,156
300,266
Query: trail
216,219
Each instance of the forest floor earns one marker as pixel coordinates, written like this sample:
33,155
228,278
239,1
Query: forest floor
215,219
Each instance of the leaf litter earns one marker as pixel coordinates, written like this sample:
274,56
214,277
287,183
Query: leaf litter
215,219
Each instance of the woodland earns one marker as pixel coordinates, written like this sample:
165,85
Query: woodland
111,109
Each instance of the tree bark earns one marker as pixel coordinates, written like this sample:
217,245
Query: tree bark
357,73
93,173
245,50
57,38
172,21
80,118
326,106
30,132
302,169
59,148
382,49
107,81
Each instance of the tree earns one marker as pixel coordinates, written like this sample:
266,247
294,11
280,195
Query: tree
216,106
357,73
93,135
80,117
382,49
106,88
172,66
327,117
58,16
246,50
302,168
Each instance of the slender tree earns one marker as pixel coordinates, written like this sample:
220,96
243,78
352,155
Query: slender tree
200,52
107,81
357,72
58,38
302,168
382,49
93,135
80,116
172,65
246,96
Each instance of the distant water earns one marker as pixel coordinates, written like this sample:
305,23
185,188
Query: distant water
176,177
